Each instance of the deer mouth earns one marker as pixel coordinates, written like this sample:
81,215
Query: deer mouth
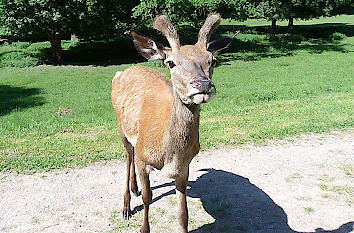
194,91
200,97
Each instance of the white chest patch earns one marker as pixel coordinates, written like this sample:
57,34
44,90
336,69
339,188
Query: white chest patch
173,169
131,139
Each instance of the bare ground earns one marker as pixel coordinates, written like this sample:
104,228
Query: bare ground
300,184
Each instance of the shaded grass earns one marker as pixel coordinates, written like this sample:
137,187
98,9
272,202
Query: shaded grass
114,51
255,42
23,54
61,116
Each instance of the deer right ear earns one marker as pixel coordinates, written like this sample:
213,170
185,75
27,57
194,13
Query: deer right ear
215,46
147,47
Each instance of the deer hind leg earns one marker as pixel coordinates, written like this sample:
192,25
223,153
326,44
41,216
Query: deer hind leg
129,155
133,183
146,194
181,191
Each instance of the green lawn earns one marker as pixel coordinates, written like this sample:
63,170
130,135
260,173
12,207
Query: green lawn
268,86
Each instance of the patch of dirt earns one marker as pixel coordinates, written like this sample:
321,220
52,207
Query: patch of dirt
65,111
292,185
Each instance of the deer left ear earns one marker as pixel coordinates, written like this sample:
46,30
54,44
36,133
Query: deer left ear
147,47
215,46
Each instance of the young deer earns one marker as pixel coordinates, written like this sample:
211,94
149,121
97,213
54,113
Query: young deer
158,117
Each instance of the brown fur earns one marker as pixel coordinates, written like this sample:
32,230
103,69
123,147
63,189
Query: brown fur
211,23
143,100
163,24
165,129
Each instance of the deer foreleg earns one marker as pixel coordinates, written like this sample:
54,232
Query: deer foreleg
181,191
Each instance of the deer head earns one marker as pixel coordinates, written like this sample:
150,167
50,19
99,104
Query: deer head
191,66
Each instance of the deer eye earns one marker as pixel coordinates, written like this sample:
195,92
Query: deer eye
171,64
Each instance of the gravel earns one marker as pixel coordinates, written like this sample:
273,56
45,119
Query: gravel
300,184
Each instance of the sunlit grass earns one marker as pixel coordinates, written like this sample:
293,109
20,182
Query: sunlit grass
61,116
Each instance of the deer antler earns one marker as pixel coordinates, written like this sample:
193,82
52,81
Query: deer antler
163,24
211,23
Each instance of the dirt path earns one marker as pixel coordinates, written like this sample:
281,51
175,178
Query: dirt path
296,185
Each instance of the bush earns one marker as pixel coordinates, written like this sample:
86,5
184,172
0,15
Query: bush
20,45
337,36
38,46
18,59
23,54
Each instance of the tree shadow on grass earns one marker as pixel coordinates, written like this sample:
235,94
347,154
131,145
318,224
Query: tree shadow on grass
254,43
18,98
238,206
116,51
260,42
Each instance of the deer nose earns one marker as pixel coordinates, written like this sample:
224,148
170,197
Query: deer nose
203,84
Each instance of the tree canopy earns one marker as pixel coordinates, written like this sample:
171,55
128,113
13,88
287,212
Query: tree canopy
274,10
56,19
191,11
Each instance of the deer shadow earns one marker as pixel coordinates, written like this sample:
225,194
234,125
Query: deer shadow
238,206
17,98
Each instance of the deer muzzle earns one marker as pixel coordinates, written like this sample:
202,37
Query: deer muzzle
201,90
202,86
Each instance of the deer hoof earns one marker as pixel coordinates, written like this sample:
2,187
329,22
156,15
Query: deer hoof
144,230
126,214
136,192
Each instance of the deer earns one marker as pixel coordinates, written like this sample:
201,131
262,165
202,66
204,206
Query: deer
158,117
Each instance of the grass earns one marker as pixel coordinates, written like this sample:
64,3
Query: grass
309,210
323,186
23,54
348,169
293,177
268,86
343,189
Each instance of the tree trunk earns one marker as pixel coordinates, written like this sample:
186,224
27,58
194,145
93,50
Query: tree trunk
291,24
57,51
274,24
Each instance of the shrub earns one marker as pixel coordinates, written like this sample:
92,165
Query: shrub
18,59
20,45
337,36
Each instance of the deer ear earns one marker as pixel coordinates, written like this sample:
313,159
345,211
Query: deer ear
215,46
147,47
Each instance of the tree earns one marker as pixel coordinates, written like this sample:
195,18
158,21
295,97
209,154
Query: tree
57,19
54,19
105,18
191,12
178,11
274,10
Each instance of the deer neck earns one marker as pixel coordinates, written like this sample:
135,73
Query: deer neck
184,126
